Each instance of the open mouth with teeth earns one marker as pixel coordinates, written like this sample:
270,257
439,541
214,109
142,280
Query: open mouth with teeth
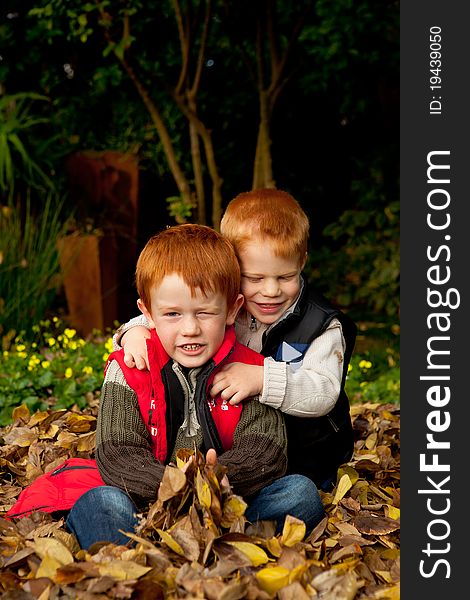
191,347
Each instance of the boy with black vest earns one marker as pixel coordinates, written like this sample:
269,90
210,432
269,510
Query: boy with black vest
307,343
188,281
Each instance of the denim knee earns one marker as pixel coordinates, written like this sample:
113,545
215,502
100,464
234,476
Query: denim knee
294,495
100,514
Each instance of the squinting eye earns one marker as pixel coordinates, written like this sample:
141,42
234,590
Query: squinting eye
171,314
254,279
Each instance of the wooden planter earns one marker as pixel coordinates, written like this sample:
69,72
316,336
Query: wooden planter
89,270
98,269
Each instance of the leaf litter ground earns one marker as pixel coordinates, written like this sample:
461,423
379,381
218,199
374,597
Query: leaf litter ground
194,541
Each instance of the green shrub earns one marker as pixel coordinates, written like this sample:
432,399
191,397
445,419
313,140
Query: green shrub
59,369
374,376
29,262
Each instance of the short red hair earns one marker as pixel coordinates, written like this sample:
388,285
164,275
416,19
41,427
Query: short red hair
267,214
202,257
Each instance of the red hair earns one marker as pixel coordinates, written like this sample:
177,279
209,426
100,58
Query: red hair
271,215
202,257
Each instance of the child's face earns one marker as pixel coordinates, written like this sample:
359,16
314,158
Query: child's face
191,329
270,283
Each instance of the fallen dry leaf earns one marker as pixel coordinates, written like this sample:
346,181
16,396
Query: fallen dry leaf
194,541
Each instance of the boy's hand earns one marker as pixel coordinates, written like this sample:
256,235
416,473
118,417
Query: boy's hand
237,381
211,461
135,348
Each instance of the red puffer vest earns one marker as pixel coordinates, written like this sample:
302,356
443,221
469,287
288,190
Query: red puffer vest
62,487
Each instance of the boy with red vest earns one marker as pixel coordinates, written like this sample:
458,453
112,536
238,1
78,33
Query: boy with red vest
188,281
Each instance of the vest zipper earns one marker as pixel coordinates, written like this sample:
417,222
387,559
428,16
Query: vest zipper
332,423
71,468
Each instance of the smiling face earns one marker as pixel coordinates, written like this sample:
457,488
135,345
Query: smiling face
270,283
191,328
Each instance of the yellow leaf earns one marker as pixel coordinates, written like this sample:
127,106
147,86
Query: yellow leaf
169,541
293,531
52,548
203,491
393,512
256,554
79,423
348,470
48,567
272,579
274,547
20,412
344,485
234,508
87,442
371,441
37,418
121,570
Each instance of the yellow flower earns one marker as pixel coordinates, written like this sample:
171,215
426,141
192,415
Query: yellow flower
68,373
55,319
70,333
87,370
6,353
365,364
105,356
51,341
34,345
73,345
20,347
22,354
45,364
350,367
109,345
33,362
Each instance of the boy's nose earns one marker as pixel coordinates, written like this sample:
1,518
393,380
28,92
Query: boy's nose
271,288
190,326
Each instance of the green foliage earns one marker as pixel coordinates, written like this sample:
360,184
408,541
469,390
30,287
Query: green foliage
362,266
58,368
29,262
374,377
16,156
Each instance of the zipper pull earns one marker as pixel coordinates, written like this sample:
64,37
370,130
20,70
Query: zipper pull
253,325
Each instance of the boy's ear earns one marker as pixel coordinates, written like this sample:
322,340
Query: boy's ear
145,312
233,311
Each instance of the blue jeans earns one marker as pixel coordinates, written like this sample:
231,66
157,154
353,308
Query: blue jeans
101,512
294,495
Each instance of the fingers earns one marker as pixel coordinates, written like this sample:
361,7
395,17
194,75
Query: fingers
211,457
139,361
236,399
129,360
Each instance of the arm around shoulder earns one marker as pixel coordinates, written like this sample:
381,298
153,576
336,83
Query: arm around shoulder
311,388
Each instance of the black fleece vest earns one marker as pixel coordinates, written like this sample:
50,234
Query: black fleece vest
317,446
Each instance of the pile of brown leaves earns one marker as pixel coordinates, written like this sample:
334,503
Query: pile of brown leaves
195,542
